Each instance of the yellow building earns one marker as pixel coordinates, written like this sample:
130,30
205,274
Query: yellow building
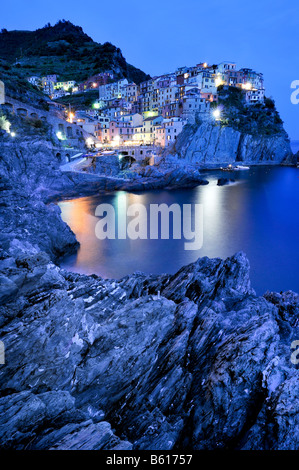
2,93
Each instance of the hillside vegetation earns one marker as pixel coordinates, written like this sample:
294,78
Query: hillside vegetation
256,119
17,87
66,50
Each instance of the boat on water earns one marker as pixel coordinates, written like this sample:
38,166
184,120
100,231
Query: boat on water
227,168
230,167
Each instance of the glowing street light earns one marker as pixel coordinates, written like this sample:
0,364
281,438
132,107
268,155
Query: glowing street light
89,141
13,134
218,81
247,86
217,114
116,141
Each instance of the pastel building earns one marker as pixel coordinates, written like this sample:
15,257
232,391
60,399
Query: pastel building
34,80
155,111
113,90
226,66
255,96
252,78
64,85
120,132
172,109
131,92
133,119
102,130
48,86
195,103
149,126
167,95
51,78
167,133
95,81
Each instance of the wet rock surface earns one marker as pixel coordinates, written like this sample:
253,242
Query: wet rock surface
224,181
193,360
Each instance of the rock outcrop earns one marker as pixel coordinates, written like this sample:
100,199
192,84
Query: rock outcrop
208,143
33,165
193,360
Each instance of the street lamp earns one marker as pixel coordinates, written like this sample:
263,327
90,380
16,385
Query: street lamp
217,114
89,142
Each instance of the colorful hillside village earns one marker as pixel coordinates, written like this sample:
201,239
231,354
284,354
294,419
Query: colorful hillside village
155,111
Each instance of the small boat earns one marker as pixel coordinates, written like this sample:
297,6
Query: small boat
241,167
228,168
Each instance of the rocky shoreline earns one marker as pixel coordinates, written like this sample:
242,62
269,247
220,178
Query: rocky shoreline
207,144
193,360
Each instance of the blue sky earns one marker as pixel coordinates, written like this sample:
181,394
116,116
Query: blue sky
159,36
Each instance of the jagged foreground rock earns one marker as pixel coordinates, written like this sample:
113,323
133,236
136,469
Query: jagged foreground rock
204,364
191,361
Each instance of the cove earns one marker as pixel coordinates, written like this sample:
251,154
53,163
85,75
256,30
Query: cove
257,214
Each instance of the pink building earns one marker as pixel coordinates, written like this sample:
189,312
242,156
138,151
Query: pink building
209,96
120,132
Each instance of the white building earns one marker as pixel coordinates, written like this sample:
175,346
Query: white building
226,66
255,96
48,86
64,85
167,95
59,93
34,80
113,90
167,133
133,119
194,104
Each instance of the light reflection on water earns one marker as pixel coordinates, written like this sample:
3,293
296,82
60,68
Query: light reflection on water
257,214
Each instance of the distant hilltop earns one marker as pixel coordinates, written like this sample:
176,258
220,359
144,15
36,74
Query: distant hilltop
66,50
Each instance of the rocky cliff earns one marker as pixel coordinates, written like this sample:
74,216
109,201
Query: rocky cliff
32,164
208,143
193,360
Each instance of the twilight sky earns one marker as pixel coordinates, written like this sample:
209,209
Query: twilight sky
160,35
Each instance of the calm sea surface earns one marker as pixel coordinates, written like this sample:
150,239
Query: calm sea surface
257,214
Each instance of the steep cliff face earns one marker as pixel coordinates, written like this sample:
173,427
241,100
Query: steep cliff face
213,144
